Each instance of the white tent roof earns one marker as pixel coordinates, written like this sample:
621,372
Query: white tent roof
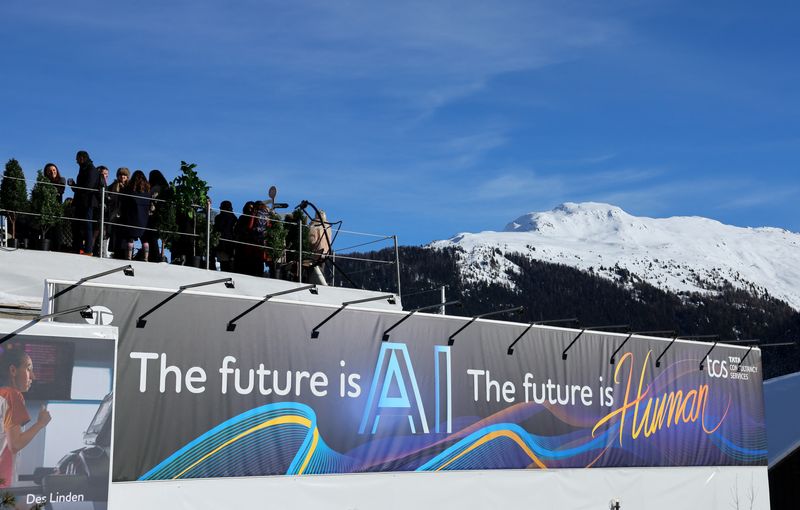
23,272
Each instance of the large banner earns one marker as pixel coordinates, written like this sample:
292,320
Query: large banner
195,400
56,398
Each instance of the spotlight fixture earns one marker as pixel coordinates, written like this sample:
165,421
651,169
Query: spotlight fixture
126,270
85,311
232,323
141,322
632,333
591,328
688,337
510,350
412,312
388,297
517,309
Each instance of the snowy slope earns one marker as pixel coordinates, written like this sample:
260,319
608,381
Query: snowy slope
677,254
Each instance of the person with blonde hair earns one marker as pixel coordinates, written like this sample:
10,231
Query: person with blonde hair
319,237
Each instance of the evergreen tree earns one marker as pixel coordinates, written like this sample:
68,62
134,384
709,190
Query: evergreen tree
13,193
44,203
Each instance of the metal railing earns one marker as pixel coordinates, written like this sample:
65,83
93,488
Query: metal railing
292,257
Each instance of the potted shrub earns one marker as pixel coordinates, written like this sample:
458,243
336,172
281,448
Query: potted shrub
275,241
197,261
190,194
165,222
44,203
13,196
292,241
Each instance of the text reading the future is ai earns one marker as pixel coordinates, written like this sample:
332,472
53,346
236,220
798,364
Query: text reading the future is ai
267,381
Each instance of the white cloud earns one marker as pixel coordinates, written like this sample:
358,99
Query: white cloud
521,185
424,53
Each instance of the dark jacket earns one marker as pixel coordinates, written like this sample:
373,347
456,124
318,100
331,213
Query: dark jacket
135,213
88,177
59,183
114,202
225,224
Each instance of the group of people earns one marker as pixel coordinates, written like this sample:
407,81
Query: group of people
128,209
249,244
246,244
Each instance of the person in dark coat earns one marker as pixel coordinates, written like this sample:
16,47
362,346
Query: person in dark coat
118,243
98,211
249,258
85,200
59,183
136,212
160,190
224,225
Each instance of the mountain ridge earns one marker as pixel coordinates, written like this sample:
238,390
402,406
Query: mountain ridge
554,291
680,254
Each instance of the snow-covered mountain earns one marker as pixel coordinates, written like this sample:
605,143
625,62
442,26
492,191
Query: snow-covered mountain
679,254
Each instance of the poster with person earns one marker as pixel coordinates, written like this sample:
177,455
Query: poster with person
56,404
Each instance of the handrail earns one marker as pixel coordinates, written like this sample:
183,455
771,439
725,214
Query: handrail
106,223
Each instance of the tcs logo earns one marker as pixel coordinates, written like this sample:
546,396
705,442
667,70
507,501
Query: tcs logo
717,368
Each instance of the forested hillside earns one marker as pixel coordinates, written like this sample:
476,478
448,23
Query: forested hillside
552,291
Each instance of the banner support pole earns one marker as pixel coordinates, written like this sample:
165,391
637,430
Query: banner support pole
140,322
315,330
85,310
127,271
452,339
590,328
412,312
232,323
613,356
510,350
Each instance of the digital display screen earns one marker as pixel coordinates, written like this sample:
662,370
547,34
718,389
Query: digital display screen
52,368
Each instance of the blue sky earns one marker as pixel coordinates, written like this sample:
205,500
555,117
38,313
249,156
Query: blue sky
425,118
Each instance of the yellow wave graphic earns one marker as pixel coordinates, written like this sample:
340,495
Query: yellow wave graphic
282,420
494,435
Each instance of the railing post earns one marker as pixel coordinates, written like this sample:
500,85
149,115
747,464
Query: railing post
208,234
444,299
300,248
333,268
397,263
102,222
